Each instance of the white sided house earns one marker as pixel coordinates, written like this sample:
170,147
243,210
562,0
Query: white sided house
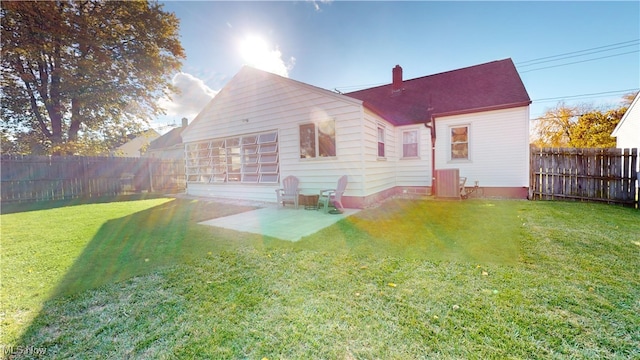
627,132
262,127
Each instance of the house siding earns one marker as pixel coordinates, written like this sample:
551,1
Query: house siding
498,147
264,102
379,172
389,174
627,132
414,171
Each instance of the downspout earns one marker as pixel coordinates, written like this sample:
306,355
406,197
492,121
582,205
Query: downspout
431,125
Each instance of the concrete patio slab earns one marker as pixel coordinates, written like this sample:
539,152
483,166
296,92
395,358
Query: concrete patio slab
282,223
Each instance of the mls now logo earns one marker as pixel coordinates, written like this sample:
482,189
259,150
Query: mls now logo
12,350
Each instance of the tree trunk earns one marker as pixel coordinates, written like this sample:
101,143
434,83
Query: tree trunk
74,127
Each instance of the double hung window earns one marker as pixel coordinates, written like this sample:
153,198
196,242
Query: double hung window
381,153
460,142
410,143
318,139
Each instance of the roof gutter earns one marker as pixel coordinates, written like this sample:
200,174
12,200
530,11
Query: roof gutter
481,109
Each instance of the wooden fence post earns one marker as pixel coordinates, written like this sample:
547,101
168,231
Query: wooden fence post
151,174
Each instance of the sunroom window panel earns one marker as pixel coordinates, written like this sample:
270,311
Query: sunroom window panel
270,148
250,150
250,178
219,177
269,178
250,159
234,165
233,142
268,137
268,158
269,168
249,140
217,144
247,158
250,169
220,169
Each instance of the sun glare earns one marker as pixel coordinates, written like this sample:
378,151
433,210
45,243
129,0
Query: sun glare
253,49
257,52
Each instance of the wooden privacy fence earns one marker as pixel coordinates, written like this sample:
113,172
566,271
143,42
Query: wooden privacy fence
608,175
43,178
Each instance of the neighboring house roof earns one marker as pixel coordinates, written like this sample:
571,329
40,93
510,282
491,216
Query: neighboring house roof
170,139
137,144
491,86
627,117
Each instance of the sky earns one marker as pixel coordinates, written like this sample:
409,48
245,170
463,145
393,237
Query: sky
576,52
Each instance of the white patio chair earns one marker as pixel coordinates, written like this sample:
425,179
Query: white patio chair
289,191
333,196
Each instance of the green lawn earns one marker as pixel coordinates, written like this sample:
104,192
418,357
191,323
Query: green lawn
410,279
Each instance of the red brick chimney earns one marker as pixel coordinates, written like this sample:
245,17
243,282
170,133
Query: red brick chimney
396,85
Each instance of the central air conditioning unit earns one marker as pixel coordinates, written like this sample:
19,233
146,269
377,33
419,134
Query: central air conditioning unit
448,183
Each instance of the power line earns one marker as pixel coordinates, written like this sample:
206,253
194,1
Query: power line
581,96
522,63
545,59
585,95
573,56
578,62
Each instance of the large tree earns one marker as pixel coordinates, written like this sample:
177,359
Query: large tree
77,72
593,129
578,126
553,129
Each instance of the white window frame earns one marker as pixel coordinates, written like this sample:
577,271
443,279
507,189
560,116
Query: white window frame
452,143
316,140
417,143
381,130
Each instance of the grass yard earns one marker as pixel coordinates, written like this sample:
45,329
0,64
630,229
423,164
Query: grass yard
410,279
